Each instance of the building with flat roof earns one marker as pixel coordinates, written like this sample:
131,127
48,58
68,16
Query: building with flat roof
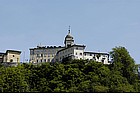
11,57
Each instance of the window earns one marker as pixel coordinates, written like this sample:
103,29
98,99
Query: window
76,48
48,60
98,56
41,60
31,52
37,61
80,53
76,53
102,60
41,55
85,54
13,56
37,55
90,54
44,60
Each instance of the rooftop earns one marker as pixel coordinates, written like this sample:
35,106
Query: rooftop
13,51
97,53
2,53
47,47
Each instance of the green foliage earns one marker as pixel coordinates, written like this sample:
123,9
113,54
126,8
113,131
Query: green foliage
12,80
100,89
73,76
123,63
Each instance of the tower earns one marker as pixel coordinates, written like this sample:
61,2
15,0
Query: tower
69,41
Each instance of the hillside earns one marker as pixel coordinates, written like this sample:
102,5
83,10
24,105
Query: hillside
73,76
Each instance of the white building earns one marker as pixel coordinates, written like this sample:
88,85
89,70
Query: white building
74,52
57,54
96,56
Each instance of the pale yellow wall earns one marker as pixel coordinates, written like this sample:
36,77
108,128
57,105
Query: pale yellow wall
13,56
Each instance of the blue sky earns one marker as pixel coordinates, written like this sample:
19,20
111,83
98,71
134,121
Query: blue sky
99,24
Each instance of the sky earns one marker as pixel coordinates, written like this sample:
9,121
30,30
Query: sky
99,24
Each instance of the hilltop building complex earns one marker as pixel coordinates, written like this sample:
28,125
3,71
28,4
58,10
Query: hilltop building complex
42,54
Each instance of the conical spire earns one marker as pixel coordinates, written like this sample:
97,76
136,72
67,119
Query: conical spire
69,30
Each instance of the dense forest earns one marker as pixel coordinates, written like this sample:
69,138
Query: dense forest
74,76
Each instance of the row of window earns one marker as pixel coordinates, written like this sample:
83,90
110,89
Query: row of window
67,50
65,56
43,60
103,60
41,55
50,52
90,54
79,53
96,55
45,51
49,60
79,48
70,55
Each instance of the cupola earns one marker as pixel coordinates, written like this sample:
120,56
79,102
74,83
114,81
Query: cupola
69,41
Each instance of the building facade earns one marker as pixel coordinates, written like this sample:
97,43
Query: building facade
42,54
99,57
10,57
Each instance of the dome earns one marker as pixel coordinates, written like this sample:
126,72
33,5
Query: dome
69,36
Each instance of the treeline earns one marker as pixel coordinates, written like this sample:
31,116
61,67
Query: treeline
73,76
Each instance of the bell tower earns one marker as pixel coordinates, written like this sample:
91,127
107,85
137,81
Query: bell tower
69,41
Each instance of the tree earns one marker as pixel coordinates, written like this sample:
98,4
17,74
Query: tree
12,80
124,63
